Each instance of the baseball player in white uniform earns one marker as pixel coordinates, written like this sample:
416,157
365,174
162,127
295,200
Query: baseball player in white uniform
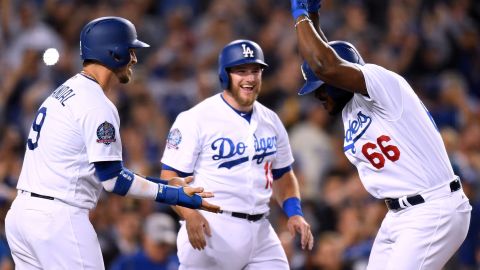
392,140
238,149
73,151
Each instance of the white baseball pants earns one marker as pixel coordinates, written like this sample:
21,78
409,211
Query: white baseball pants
424,236
49,234
235,244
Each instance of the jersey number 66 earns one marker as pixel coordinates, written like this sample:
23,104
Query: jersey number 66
378,159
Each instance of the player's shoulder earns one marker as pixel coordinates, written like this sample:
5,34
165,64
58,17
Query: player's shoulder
207,105
264,110
89,92
374,70
200,110
85,93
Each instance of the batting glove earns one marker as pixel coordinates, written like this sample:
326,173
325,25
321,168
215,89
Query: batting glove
299,8
313,6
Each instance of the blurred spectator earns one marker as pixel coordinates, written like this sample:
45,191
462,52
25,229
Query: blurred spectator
311,146
453,108
328,254
158,246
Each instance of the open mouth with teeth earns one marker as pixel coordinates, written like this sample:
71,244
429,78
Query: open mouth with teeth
247,88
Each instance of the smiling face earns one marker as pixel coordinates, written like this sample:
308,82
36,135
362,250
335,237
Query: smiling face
124,74
245,85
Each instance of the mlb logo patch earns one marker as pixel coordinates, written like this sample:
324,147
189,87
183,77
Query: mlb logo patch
174,138
106,133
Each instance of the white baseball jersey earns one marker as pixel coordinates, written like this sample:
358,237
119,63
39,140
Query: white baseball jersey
74,127
228,155
391,138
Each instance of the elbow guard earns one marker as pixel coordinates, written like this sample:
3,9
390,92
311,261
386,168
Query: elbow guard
115,178
124,182
121,184
177,196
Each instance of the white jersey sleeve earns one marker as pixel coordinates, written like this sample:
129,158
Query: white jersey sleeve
183,138
384,90
100,127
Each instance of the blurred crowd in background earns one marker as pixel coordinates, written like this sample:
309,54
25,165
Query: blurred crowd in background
434,44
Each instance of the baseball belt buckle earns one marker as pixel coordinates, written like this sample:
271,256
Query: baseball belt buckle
388,201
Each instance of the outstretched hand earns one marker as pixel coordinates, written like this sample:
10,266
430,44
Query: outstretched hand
198,191
180,181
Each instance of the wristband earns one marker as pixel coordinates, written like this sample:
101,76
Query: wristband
167,194
176,196
292,207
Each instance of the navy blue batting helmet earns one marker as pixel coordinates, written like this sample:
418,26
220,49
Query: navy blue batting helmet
108,40
235,53
347,52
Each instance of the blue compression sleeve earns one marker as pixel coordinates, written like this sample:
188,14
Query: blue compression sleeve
107,169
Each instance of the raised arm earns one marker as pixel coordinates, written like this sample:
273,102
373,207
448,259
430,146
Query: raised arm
322,59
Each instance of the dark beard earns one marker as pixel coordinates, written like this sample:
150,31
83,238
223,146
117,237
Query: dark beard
123,78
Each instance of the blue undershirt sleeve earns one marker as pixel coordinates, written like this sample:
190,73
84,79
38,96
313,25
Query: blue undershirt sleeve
277,173
180,173
108,169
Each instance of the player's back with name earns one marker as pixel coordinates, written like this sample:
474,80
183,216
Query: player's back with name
66,125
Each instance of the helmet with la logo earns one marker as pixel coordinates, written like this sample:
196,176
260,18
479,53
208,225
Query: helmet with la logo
235,53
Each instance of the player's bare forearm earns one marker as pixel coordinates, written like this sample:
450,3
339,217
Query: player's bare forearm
167,174
286,187
323,60
316,24
312,46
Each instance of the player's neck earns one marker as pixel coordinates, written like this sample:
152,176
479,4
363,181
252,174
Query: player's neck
227,96
102,75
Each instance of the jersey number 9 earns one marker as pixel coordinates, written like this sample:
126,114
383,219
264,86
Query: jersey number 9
37,127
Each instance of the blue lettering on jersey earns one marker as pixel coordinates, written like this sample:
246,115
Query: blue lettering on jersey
62,94
263,145
355,131
226,149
